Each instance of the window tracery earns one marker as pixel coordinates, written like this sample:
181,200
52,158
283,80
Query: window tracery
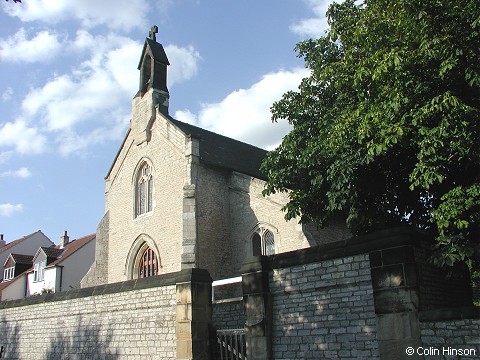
144,190
148,264
263,242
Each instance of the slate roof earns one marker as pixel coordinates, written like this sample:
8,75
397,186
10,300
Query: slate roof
52,252
22,259
158,52
219,150
18,241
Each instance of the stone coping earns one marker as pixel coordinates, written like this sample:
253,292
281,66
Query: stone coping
183,276
378,240
471,312
228,301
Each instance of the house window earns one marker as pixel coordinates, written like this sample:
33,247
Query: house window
39,270
8,273
35,271
148,265
144,190
263,242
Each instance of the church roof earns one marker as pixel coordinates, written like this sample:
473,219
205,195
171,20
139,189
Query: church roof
158,52
219,150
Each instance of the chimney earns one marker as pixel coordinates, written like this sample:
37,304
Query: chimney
2,242
64,240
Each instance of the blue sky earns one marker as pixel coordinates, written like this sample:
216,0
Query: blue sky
68,72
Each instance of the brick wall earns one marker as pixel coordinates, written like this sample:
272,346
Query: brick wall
94,323
451,330
324,310
228,315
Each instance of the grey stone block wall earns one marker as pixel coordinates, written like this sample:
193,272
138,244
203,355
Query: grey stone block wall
228,315
118,325
324,310
445,333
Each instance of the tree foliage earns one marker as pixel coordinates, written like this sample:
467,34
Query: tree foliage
386,127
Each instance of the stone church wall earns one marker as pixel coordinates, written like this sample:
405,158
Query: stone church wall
229,207
214,243
248,207
163,225
97,274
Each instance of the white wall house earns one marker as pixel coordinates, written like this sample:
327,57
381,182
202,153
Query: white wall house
27,245
13,289
60,268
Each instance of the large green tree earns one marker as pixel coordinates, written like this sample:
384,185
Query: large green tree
386,128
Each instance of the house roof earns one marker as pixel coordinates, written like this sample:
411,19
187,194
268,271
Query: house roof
58,255
22,259
51,252
219,150
18,241
71,248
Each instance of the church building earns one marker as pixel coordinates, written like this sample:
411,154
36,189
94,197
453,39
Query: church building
178,196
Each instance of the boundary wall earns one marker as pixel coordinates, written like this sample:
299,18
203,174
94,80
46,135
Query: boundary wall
139,319
371,297
367,297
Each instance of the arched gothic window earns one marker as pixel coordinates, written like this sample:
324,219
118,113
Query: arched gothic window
263,242
148,264
144,190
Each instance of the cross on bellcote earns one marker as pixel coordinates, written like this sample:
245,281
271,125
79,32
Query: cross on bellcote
152,33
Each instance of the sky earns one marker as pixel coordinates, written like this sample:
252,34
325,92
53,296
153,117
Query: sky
68,73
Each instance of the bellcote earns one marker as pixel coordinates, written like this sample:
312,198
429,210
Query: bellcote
153,71
153,91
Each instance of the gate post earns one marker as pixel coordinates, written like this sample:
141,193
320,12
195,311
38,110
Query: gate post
257,302
194,314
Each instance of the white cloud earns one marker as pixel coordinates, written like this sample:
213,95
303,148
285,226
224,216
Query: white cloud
93,102
316,26
20,173
115,14
5,156
93,92
7,94
8,209
17,48
25,139
245,114
184,63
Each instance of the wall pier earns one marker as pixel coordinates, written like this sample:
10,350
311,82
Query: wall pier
257,302
194,314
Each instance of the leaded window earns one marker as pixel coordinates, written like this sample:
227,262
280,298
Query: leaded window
148,265
144,191
263,242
